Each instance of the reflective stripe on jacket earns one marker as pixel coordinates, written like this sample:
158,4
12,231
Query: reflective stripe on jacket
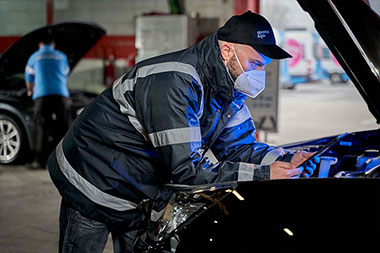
153,127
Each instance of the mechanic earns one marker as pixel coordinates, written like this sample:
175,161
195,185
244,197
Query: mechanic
155,125
45,76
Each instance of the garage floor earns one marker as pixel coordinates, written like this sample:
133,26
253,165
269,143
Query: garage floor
29,203
29,209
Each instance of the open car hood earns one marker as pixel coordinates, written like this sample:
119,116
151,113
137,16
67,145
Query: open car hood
72,38
351,30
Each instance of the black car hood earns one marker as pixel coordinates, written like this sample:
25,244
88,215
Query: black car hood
351,30
72,38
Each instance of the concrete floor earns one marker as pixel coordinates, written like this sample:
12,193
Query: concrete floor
29,203
320,109
29,210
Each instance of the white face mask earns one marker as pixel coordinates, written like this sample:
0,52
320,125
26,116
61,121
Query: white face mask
251,82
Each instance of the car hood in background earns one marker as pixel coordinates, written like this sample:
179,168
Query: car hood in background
72,38
351,30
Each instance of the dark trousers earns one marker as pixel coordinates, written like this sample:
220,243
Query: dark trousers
83,235
52,116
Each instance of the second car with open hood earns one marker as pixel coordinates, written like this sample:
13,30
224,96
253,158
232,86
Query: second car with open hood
16,109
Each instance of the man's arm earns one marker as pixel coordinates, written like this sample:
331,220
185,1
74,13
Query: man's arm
29,76
66,66
237,143
169,106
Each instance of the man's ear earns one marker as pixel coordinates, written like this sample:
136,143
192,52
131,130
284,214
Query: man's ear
226,51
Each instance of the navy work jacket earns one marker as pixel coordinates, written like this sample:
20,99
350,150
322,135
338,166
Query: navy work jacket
153,127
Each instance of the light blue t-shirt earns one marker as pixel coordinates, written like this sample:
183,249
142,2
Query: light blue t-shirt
48,69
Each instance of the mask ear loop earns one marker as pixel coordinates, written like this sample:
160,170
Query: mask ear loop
237,58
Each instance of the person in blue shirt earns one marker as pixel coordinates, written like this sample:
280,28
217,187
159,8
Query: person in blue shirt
45,76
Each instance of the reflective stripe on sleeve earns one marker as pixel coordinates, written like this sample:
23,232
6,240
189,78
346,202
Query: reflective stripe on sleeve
272,156
67,71
120,88
241,116
176,136
88,189
246,171
29,70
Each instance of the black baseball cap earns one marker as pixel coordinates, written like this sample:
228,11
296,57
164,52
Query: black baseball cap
254,30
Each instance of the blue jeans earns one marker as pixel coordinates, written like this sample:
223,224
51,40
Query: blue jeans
80,234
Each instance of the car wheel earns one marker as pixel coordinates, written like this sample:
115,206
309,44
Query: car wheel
10,139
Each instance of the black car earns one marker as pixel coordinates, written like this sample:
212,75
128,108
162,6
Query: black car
338,213
17,127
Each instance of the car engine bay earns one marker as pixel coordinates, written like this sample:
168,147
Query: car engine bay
356,155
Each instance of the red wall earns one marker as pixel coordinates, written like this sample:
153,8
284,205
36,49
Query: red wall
121,47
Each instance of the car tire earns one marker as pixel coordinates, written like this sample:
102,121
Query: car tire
11,140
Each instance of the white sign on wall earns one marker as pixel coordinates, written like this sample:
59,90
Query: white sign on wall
264,108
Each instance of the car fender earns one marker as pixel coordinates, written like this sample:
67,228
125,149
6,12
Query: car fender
26,126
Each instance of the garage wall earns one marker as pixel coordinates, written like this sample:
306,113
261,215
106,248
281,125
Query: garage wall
116,16
14,19
221,9
18,17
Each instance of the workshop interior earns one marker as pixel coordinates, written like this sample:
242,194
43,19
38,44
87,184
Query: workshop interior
323,100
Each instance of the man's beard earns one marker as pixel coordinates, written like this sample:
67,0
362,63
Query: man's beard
231,66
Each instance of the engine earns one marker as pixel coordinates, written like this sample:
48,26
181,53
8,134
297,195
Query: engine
356,155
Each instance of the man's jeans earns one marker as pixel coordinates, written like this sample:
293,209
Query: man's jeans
80,234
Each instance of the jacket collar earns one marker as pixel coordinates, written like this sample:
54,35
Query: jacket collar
213,68
46,48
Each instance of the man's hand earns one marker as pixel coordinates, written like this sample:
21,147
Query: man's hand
29,88
283,170
302,156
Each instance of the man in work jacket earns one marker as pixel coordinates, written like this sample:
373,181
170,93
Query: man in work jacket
154,126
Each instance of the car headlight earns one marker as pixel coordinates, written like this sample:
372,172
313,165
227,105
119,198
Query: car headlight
186,203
